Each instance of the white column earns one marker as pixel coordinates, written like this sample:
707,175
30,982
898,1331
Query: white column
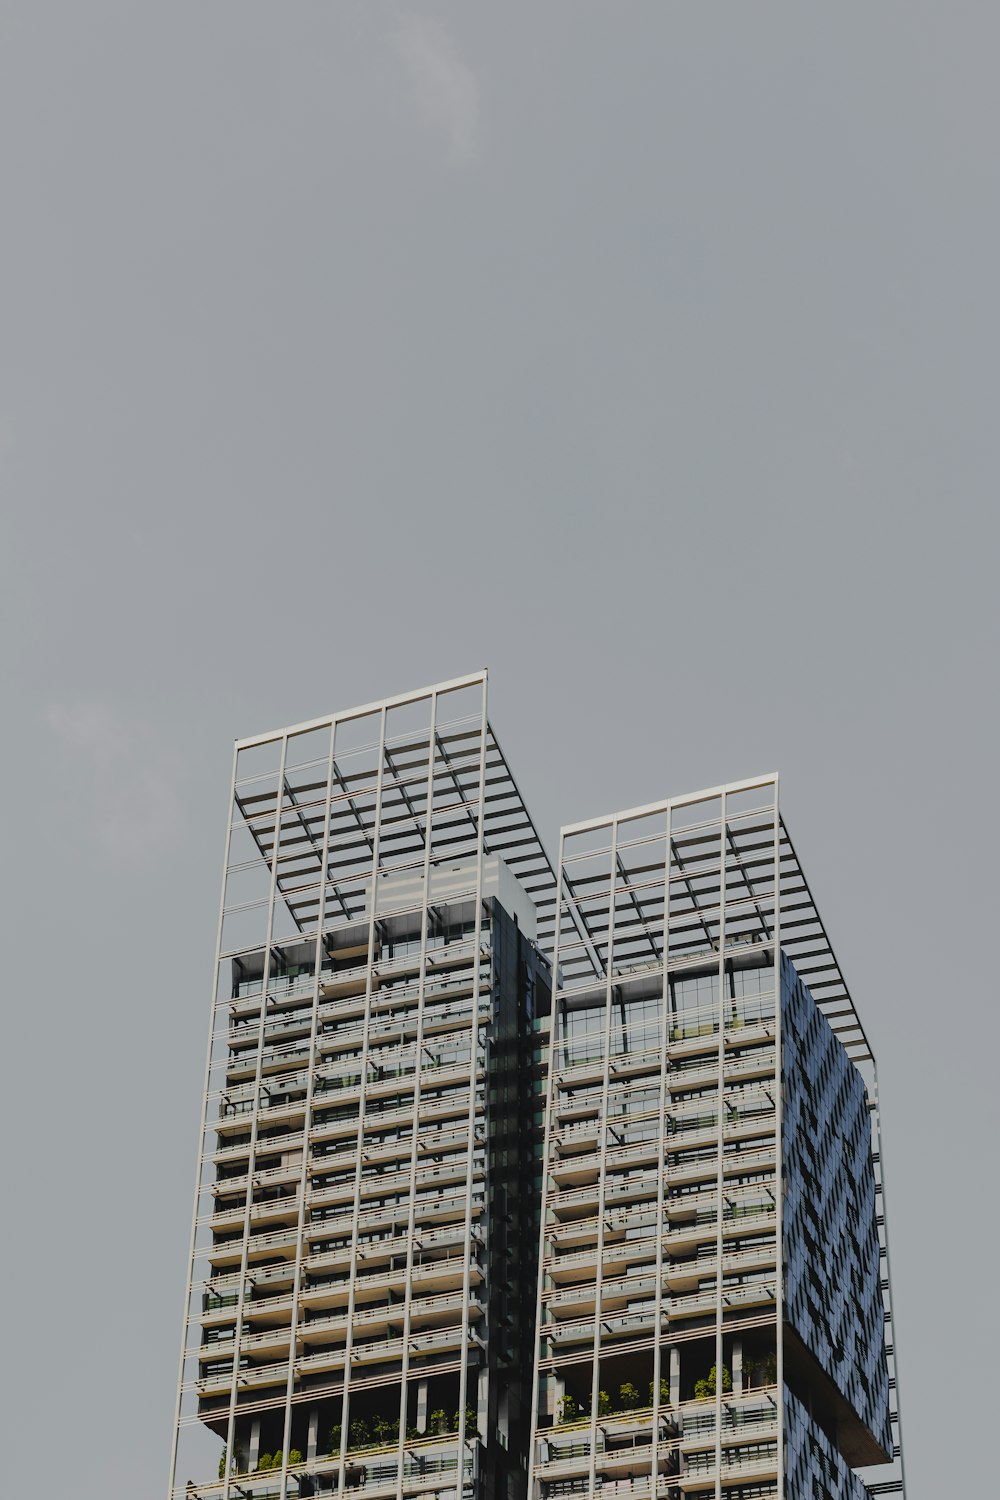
254,1453
482,1411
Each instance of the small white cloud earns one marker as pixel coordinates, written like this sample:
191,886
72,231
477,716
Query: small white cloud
132,798
444,86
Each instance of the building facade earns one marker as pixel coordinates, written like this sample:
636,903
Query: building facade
515,1184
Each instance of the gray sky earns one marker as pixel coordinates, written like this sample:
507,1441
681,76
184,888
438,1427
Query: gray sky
644,353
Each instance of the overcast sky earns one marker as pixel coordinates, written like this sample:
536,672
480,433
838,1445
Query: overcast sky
645,353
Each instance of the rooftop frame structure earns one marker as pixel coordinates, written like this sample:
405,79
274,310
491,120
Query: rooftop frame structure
468,752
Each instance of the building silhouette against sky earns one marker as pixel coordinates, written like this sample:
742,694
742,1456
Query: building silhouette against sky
521,1182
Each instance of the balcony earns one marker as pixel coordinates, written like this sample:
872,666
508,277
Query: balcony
432,1277
752,1417
684,1212
454,1105
753,1467
384,1250
432,1312
753,1217
617,1327
345,983
687,1454
426,1313
437,1208
676,1278
429,1463
381,1184
682,1132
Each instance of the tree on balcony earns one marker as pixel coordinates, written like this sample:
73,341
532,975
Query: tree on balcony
237,1463
471,1423
705,1389
763,1371
358,1434
385,1430
569,1409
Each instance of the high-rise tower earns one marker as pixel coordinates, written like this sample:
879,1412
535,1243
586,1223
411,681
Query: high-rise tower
713,1286
522,1187
365,1232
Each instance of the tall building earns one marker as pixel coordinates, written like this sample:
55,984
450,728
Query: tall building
518,1186
713,1314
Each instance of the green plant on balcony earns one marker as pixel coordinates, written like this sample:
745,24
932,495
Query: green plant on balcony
295,1456
471,1426
263,1463
765,1369
385,1430
705,1389
664,1391
628,1396
357,1433
603,1404
336,1433
439,1421
569,1409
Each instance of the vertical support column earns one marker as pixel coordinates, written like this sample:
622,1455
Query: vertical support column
204,1125
463,1375
414,1130
286,1446
482,1403
254,1453
662,1167
555,1040
779,1286
737,1367
255,1117
356,1207
312,1439
721,1122
595,1383
421,1423
675,1375
889,1334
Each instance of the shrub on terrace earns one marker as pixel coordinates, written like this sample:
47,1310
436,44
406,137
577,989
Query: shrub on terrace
704,1389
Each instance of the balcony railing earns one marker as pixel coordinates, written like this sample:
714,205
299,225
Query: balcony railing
625,1325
